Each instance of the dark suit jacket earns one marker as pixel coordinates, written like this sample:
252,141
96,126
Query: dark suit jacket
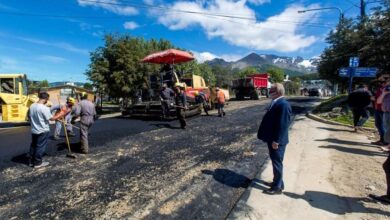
275,123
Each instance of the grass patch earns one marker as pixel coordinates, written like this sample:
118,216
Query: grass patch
346,117
348,120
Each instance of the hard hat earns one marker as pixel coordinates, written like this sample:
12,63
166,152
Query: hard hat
84,95
196,92
70,100
179,85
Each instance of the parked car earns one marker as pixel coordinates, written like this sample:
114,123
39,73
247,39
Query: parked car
315,92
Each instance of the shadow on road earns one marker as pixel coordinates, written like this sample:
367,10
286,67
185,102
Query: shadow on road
163,125
335,129
355,151
22,159
338,141
339,205
229,178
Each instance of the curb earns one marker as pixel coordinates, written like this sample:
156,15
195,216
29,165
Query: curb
326,121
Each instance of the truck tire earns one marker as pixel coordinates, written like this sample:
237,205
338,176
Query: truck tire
255,95
239,96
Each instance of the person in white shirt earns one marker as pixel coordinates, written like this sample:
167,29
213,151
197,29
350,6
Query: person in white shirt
39,116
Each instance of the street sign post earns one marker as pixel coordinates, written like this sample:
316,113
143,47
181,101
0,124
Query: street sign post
357,72
353,61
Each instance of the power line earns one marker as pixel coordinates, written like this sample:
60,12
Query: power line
312,24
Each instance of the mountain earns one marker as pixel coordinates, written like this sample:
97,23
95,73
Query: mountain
291,65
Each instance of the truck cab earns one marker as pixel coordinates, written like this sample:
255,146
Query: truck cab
14,99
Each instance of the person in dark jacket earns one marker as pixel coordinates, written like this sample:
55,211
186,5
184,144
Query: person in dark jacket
359,100
274,131
181,104
166,96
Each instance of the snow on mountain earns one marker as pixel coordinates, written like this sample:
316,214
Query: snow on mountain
293,63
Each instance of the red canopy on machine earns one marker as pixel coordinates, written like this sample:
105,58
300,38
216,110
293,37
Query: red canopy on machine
170,56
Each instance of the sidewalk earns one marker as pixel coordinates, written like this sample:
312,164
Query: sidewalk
328,172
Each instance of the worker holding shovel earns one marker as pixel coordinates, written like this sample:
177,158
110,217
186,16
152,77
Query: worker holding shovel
66,110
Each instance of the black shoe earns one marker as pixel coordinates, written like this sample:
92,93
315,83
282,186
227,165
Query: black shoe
273,191
383,199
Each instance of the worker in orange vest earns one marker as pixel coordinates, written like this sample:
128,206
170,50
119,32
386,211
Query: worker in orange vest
220,102
63,112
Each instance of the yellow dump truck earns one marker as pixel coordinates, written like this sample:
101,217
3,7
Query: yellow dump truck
14,98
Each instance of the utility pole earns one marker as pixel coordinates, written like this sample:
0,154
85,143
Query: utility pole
362,11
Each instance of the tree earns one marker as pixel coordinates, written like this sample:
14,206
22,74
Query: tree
116,69
369,41
88,86
247,71
276,74
43,84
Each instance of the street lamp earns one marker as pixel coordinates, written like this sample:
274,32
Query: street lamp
328,8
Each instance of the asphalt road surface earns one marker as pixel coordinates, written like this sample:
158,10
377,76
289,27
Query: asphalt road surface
16,141
168,173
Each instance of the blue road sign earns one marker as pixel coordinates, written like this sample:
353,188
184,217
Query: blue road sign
353,61
358,72
344,72
365,72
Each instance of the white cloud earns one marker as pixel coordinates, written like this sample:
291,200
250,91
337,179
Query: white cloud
61,45
279,32
110,5
8,64
259,2
206,56
52,59
130,25
306,63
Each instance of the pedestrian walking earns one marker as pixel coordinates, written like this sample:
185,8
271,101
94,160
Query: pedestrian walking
359,100
220,102
85,109
200,98
378,112
166,96
39,116
181,104
66,110
274,131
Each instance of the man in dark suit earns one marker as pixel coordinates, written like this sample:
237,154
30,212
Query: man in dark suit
274,131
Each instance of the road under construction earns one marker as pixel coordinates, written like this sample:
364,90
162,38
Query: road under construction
140,169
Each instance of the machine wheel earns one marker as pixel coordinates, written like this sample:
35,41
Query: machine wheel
255,95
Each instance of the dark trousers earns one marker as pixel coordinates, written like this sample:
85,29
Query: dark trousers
277,165
181,116
84,130
165,107
379,124
360,116
221,112
38,147
386,167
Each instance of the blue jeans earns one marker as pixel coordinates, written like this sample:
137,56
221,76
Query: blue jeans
277,165
386,121
379,124
38,147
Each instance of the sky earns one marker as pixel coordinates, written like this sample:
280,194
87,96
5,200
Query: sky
52,40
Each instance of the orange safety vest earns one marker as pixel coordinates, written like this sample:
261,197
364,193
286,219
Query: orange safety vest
62,112
221,97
